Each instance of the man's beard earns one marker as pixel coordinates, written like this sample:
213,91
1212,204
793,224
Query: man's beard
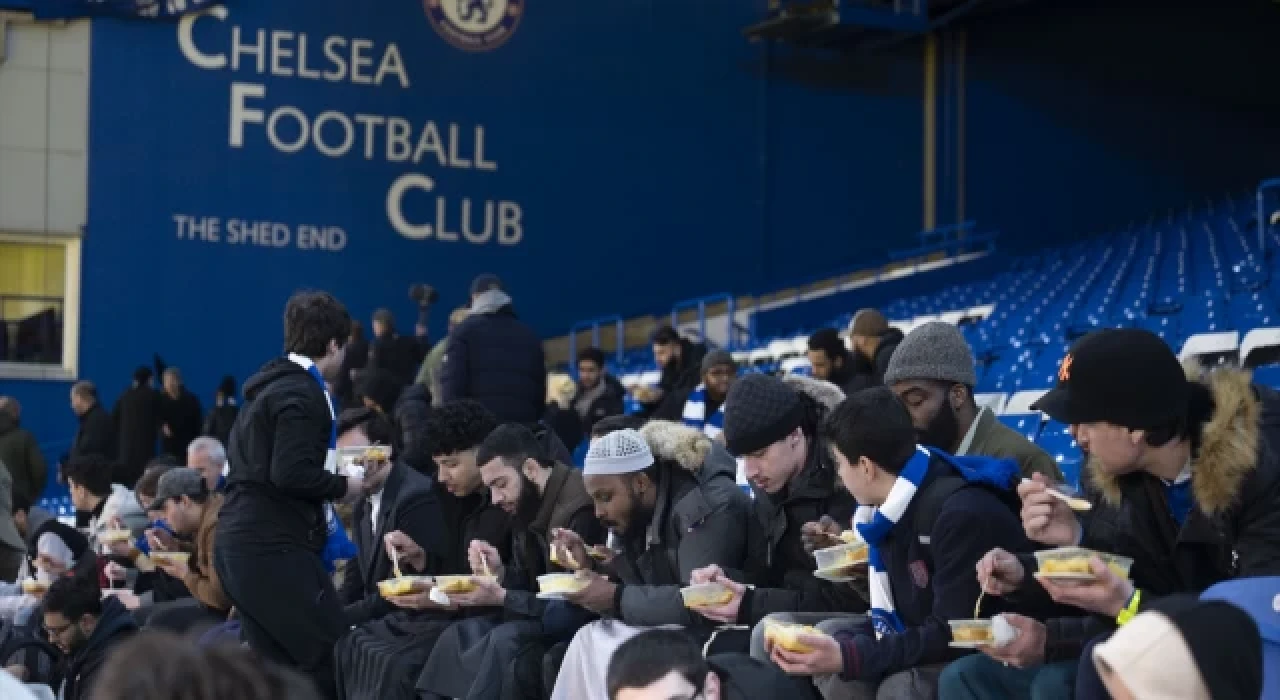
943,431
641,516
528,505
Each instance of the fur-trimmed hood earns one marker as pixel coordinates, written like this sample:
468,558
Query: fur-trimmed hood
1228,446
825,393
688,447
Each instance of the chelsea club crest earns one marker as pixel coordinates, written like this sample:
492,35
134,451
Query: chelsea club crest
475,25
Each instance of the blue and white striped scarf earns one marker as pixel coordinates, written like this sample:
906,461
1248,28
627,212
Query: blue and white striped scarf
338,545
695,413
873,524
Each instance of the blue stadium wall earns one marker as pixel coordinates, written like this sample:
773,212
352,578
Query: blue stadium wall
632,153
648,152
1081,117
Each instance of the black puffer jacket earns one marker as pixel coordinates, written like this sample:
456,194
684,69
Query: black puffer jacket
700,519
496,359
610,402
869,373
277,484
1232,531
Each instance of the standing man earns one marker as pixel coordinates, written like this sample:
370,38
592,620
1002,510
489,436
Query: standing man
97,434
138,423
20,452
274,523
180,414
495,358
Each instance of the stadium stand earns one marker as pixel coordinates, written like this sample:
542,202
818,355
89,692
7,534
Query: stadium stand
1197,280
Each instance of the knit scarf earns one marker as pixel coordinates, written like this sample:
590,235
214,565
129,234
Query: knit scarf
337,545
874,524
695,413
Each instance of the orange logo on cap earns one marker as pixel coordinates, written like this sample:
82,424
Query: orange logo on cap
1064,372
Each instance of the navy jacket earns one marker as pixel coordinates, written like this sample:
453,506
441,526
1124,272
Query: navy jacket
497,360
936,581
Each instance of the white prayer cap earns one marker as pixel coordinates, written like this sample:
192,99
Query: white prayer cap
619,452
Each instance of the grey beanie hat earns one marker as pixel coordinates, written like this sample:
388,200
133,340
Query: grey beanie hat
716,358
759,411
936,351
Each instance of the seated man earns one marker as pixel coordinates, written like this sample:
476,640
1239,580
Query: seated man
773,425
400,500
668,665
86,627
927,518
106,504
191,509
474,658
383,657
704,407
669,496
1183,477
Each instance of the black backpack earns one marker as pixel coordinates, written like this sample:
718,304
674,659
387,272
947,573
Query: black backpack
21,645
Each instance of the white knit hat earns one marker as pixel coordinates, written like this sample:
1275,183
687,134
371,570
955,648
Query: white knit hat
619,452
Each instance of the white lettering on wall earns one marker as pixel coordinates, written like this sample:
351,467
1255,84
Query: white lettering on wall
333,133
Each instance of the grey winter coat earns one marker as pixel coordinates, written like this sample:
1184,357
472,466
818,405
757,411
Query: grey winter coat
700,519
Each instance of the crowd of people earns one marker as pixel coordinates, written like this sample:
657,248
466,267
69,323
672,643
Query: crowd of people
257,559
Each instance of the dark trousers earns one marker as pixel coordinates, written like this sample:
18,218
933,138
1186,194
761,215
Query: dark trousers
980,677
1089,685
289,610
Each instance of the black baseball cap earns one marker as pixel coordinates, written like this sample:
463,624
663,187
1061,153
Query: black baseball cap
1127,377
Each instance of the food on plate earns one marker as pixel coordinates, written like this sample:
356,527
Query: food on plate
561,583
705,594
841,556
401,586
167,558
1074,562
787,635
115,534
35,586
971,631
850,537
460,584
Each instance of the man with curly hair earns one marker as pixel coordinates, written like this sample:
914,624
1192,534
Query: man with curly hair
382,658
273,524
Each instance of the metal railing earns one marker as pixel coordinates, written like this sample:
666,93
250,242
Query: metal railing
700,303
594,325
1264,187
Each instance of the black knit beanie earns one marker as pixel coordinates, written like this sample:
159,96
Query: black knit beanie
759,411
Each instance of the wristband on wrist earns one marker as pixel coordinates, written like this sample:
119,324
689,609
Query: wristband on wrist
1130,609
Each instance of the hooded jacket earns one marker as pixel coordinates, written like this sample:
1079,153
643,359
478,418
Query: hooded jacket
79,669
700,519
776,560
122,504
20,453
496,359
1232,530
277,484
